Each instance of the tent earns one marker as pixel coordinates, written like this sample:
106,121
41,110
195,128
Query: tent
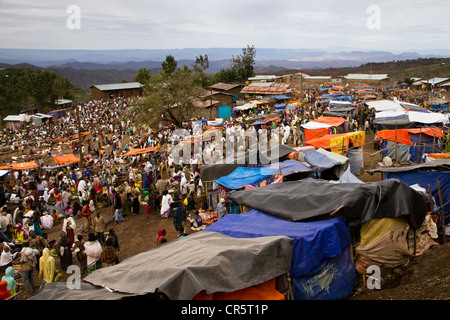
324,162
321,268
290,167
423,174
182,268
409,144
137,151
338,143
243,176
66,159
21,166
356,202
320,127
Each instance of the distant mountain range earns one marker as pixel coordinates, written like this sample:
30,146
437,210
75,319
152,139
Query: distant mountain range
89,67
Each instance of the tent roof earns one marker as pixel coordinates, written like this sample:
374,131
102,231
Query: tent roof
243,176
20,166
137,151
357,202
438,164
204,260
313,241
66,159
321,159
288,167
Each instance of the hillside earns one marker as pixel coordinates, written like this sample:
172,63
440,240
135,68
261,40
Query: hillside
420,68
24,86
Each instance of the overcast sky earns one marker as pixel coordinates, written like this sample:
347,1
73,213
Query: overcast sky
167,24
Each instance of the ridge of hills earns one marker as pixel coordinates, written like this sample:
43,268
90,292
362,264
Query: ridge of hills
86,74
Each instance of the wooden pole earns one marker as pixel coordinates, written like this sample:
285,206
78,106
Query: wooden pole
444,237
430,196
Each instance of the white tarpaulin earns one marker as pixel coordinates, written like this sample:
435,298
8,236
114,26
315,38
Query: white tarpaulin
315,125
246,106
414,116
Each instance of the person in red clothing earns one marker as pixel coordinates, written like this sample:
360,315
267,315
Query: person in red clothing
4,292
161,238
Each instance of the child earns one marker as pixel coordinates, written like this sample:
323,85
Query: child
115,242
181,232
148,210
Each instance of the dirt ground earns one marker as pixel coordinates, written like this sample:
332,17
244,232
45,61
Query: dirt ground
427,277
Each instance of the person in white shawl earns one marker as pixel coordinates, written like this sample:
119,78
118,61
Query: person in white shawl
165,204
6,257
183,184
46,220
93,250
73,224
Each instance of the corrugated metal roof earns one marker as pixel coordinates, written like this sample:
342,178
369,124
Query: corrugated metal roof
365,76
118,86
14,118
224,86
276,88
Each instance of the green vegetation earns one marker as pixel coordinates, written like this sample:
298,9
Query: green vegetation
425,68
24,88
241,69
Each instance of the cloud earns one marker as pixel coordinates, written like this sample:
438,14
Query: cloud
140,24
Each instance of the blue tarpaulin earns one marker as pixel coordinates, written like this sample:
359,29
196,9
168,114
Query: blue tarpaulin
288,167
317,246
243,176
320,161
279,106
425,178
282,97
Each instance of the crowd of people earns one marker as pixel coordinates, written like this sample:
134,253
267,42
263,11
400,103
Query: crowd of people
32,202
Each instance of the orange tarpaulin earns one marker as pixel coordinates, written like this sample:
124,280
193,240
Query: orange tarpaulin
311,134
439,155
136,151
75,136
66,159
263,291
332,121
402,135
21,166
335,142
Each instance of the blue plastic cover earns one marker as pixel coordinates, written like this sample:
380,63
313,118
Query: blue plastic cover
243,176
319,161
313,241
288,167
425,178
318,246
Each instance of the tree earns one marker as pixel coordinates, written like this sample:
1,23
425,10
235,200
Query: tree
244,63
142,76
199,67
169,65
242,67
171,95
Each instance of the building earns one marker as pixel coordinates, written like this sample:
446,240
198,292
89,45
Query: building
266,89
265,78
233,89
13,122
435,82
63,103
356,79
114,90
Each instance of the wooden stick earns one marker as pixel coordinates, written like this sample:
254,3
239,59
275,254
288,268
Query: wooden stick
444,237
